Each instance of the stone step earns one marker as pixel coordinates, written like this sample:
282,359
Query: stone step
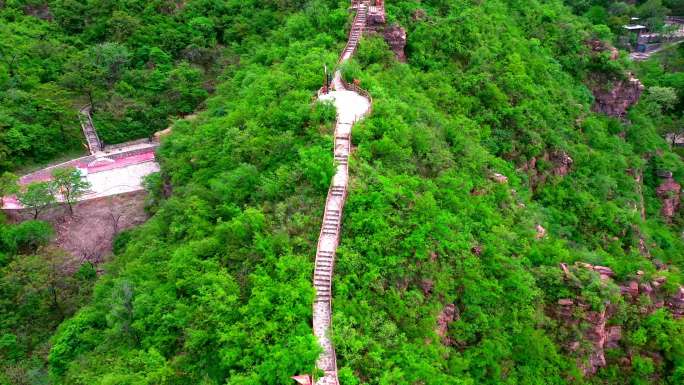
323,252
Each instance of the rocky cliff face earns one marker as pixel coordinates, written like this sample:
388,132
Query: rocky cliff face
561,165
396,38
595,333
669,193
615,100
448,315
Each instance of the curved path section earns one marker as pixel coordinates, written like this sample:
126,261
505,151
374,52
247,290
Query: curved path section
351,106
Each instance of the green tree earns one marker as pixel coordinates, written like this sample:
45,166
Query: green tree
37,196
8,185
70,184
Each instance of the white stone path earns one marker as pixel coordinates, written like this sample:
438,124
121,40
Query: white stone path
351,107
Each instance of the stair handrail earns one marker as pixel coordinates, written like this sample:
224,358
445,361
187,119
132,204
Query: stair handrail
351,31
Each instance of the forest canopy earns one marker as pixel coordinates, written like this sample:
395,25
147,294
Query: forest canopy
483,183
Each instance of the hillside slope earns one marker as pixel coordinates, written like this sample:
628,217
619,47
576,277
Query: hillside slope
480,171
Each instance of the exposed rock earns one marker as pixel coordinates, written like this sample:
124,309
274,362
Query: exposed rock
41,11
596,335
616,100
658,282
427,285
419,15
604,272
631,289
499,178
477,250
541,232
395,36
669,192
613,336
599,46
676,303
566,271
562,163
448,315
376,19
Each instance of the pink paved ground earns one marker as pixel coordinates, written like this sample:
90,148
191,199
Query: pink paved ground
95,167
123,162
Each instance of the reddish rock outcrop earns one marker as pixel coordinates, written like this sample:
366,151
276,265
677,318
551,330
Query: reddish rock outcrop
676,303
591,354
448,315
596,335
419,15
499,178
562,163
670,193
376,19
395,36
599,46
427,285
613,336
41,11
615,100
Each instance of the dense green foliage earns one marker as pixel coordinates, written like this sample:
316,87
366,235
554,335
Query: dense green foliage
216,287
617,13
137,63
39,288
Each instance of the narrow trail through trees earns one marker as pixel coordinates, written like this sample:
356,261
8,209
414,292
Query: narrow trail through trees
352,104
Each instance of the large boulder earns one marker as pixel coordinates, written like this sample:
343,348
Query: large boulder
615,100
395,36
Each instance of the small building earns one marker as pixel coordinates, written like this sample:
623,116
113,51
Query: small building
635,28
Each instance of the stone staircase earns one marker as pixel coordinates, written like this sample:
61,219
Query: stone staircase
337,194
356,32
94,143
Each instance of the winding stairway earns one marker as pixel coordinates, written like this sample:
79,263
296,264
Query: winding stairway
94,143
352,104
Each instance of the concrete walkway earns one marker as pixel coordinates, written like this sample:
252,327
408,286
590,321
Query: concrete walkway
108,175
351,107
